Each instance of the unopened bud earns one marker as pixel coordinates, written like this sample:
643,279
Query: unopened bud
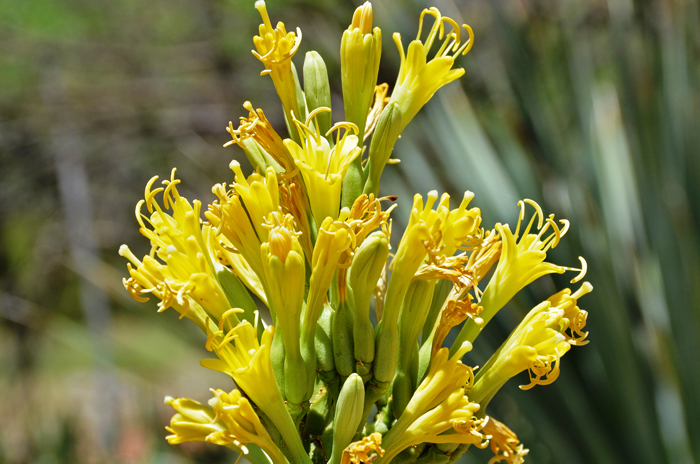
280,242
362,18
348,414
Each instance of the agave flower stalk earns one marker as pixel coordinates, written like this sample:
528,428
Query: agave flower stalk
303,242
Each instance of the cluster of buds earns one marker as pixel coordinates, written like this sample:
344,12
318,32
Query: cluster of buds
354,328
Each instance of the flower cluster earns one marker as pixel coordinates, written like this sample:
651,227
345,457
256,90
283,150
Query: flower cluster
306,239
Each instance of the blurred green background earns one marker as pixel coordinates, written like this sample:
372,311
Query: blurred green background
590,107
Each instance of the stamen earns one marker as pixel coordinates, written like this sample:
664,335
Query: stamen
262,9
582,273
148,195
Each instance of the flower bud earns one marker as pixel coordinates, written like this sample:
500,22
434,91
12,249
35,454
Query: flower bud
367,265
385,136
360,51
413,314
342,337
284,268
317,89
348,414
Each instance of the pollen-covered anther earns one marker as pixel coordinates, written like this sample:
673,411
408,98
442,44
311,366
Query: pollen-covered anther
544,370
505,444
474,427
363,451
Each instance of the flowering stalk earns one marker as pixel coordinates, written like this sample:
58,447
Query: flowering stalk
306,235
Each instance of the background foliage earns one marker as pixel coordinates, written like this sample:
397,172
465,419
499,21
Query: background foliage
589,107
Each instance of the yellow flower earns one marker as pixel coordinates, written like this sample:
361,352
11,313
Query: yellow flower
419,78
521,262
438,231
260,196
380,100
452,421
180,269
284,267
244,228
322,167
275,47
334,238
293,201
229,420
536,345
446,374
504,443
248,362
257,127
193,422
243,423
576,316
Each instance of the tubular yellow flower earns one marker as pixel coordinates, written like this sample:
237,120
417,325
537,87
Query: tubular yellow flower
446,375
260,196
229,218
257,127
427,231
323,167
360,51
244,228
243,423
194,422
454,415
522,261
334,237
284,268
247,361
293,201
576,316
419,78
275,48
187,280
504,443
536,345
229,420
